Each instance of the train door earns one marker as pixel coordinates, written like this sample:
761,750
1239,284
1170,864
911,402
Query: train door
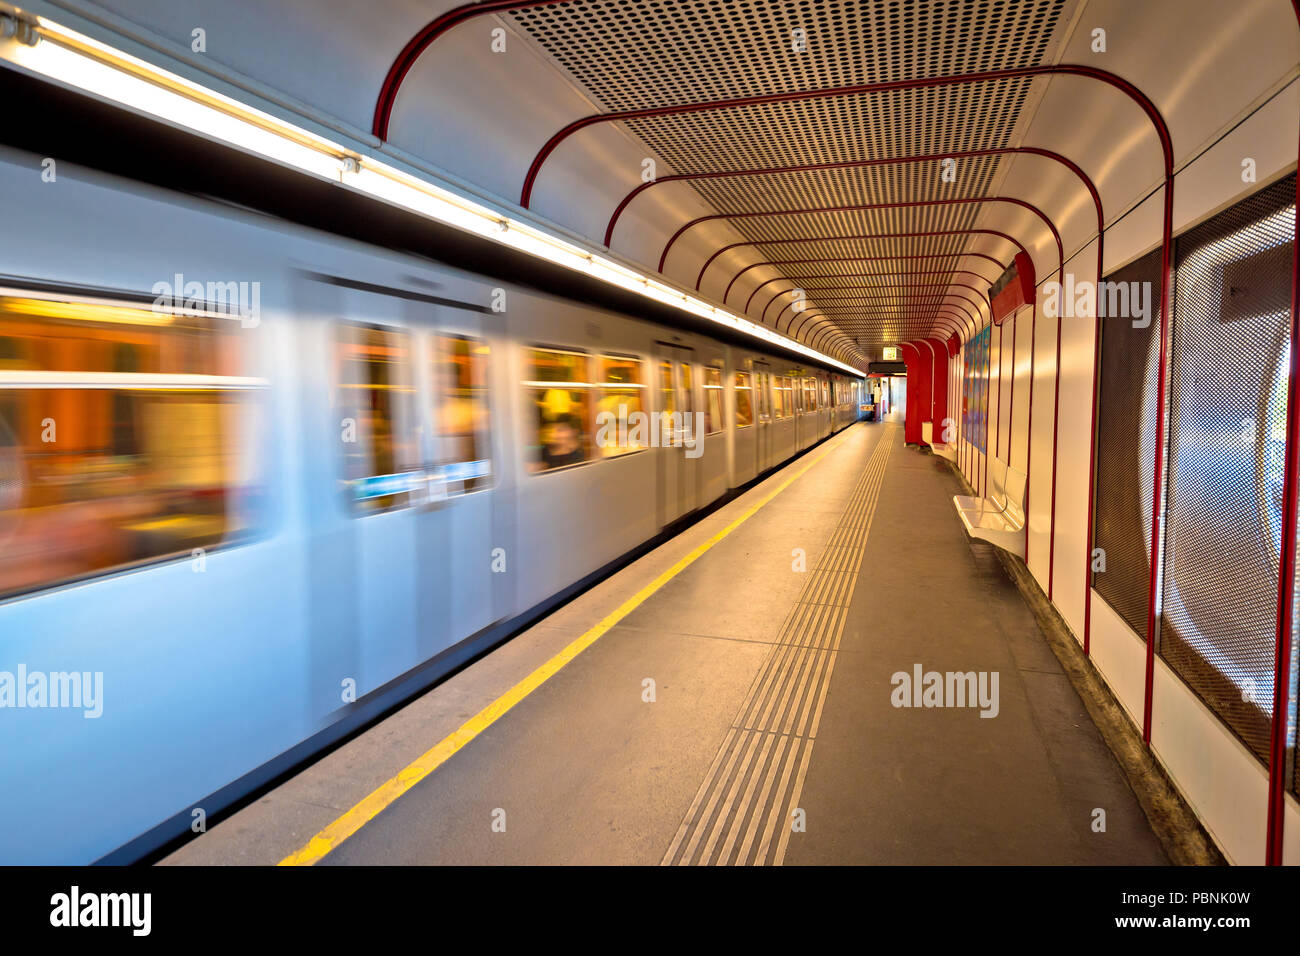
694,428
407,568
460,594
744,447
371,561
763,416
679,463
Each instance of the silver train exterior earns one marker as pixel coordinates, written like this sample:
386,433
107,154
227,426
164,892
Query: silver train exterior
223,668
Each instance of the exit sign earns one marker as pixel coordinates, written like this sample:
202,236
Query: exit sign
890,353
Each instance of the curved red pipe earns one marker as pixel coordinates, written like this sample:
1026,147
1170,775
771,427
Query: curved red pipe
425,39
1273,851
901,301
929,325
1002,266
854,164
872,288
897,290
877,235
935,320
1067,69
862,275
864,207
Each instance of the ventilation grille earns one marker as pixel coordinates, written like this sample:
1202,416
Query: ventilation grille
657,52
1226,442
1126,417
639,54
854,186
863,126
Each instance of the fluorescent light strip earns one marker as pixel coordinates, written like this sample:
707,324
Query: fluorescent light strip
146,89
132,381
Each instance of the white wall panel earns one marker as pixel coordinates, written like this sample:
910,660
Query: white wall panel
1040,463
1073,442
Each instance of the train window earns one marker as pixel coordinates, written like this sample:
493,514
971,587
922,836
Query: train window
744,400
465,453
764,397
713,420
560,387
669,414
784,397
125,437
620,397
688,390
809,395
377,408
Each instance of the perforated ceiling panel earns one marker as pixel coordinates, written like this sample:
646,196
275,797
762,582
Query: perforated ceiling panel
658,53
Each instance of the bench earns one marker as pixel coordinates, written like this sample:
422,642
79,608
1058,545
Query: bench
1000,518
942,449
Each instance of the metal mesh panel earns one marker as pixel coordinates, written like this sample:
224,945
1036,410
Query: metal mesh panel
1125,450
1226,441
630,54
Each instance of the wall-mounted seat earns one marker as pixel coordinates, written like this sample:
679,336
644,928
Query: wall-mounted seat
999,518
942,449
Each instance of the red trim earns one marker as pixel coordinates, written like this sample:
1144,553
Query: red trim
793,262
425,39
1011,410
1056,419
988,374
998,436
929,325
908,287
864,275
1017,292
908,204
1029,435
850,164
876,235
1273,852
967,316
901,299
932,320
1157,492
792,96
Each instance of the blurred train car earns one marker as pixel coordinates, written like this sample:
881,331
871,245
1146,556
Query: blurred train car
265,526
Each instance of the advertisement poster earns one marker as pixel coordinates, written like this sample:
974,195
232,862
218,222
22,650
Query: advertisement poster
975,401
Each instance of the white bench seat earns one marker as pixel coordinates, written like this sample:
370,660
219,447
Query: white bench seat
942,449
999,518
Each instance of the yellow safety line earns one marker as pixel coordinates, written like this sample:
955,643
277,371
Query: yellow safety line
387,792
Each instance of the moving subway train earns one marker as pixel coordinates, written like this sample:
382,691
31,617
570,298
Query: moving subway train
238,524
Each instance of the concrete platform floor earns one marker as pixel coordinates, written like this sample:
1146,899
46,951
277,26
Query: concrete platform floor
772,735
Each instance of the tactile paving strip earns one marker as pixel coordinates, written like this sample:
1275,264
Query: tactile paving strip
742,811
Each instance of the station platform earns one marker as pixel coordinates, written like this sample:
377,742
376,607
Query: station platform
725,700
